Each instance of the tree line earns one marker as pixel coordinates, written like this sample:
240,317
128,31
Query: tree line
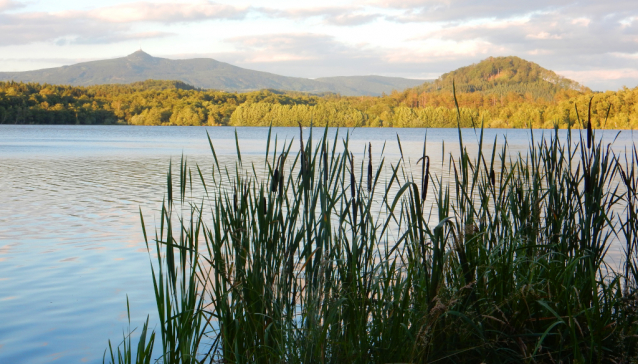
176,103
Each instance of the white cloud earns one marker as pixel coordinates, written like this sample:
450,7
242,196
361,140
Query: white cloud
320,55
9,5
543,35
106,24
333,15
600,79
42,27
464,10
167,12
602,74
300,46
581,21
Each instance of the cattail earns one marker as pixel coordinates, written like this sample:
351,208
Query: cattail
275,177
519,193
492,178
426,179
456,176
352,180
353,188
425,175
301,148
281,175
369,167
354,211
235,198
263,200
325,163
589,132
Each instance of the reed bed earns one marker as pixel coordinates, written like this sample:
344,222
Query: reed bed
319,262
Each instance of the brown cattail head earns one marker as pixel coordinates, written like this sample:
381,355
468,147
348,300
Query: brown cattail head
275,177
352,180
456,176
301,149
426,178
263,200
369,167
492,177
425,175
325,162
519,193
275,180
589,131
235,198
354,212
281,175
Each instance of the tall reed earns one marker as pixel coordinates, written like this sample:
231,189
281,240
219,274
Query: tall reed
308,266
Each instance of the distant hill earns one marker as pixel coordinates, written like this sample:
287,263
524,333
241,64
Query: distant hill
376,84
500,75
203,73
148,85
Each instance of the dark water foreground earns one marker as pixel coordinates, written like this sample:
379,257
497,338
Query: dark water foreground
71,246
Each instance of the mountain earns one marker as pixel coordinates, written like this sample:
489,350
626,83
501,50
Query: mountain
203,73
501,75
375,84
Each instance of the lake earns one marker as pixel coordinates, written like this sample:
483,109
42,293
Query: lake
71,244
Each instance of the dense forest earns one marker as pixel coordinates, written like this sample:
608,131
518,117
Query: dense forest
504,92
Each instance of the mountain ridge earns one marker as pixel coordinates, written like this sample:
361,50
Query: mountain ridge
203,73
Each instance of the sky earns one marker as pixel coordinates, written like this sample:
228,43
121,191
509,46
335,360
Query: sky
593,42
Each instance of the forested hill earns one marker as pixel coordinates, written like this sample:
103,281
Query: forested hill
502,75
177,103
203,73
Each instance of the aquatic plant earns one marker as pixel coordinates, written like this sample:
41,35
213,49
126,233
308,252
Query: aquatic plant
504,260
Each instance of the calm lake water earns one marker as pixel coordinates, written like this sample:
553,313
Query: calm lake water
71,245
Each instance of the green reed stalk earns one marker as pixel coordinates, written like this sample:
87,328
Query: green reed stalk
307,266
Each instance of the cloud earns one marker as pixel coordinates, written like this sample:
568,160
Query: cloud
601,79
278,47
300,55
335,15
9,5
352,19
41,27
114,38
549,34
464,10
319,55
594,75
167,12
106,24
